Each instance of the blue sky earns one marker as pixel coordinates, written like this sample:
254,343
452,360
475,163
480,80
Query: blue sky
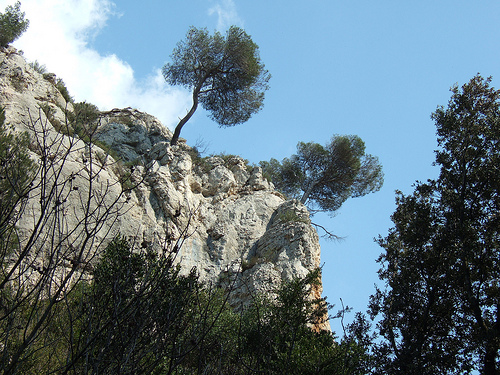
377,69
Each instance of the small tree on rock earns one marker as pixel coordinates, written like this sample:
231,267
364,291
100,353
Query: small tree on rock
12,24
326,176
225,74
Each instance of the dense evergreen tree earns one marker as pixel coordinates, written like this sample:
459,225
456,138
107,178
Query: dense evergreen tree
139,313
143,316
441,309
278,335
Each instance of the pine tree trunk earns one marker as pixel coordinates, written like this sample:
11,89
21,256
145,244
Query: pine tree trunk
177,131
191,112
308,192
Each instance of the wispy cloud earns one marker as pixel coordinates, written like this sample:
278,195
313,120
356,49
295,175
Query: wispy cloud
58,37
226,13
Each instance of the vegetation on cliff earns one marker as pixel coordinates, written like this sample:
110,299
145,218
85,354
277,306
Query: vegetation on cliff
325,177
12,24
71,304
225,74
75,299
67,309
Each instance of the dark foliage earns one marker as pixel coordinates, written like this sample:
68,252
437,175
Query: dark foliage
12,24
441,309
225,75
325,177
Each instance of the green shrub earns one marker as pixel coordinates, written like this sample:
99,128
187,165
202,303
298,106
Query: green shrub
107,149
227,158
205,166
48,76
291,215
42,69
84,119
133,163
47,109
61,86
58,126
122,119
12,24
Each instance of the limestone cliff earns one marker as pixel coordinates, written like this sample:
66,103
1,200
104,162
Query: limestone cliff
230,218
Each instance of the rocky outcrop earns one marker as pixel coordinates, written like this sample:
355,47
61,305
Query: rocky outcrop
229,218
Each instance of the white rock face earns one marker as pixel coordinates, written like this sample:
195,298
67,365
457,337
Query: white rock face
231,217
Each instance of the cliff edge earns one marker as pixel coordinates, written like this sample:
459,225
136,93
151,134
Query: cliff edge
230,219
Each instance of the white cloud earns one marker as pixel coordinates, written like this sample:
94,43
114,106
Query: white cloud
226,13
58,37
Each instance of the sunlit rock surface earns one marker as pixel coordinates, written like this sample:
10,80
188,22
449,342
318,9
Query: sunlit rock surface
229,216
